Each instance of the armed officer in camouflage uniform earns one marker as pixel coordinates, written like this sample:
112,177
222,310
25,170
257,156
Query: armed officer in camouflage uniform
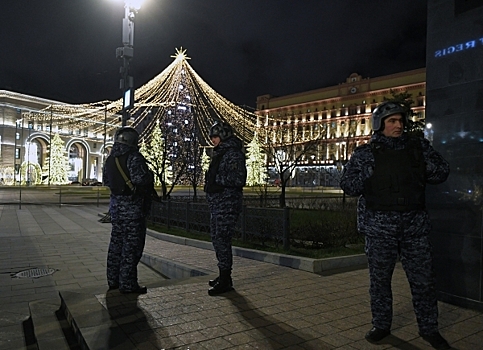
390,174
224,183
129,206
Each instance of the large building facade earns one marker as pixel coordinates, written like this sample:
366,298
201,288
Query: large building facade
27,126
337,117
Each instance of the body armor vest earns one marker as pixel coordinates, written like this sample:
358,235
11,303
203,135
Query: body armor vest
398,182
117,185
210,176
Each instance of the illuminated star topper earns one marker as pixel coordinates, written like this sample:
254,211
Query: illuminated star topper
181,54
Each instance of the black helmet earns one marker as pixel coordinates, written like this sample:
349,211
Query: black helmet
222,130
127,135
385,109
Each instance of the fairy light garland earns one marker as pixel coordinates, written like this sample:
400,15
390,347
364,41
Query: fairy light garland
153,101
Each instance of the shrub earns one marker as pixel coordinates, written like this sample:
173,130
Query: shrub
323,228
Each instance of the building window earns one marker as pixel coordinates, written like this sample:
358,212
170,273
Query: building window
17,136
94,145
17,153
31,125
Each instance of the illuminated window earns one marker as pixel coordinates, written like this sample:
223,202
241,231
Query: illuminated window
17,153
17,136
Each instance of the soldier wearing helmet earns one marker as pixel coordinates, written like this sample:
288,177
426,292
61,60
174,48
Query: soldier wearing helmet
224,183
129,205
389,174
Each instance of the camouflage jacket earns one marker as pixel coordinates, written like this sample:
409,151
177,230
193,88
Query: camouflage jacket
226,175
361,166
130,206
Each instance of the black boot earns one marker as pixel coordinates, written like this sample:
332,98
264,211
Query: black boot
213,282
223,285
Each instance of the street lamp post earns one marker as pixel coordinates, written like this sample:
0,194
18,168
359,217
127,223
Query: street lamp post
126,53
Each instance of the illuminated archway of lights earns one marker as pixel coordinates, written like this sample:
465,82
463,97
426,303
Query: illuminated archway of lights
175,87
180,86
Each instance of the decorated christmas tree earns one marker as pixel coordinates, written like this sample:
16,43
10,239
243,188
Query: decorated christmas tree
154,150
57,162
256,168
185,108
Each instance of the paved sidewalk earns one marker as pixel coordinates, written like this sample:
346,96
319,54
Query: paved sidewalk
273,307
68,240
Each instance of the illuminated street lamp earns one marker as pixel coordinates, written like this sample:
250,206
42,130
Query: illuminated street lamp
126,53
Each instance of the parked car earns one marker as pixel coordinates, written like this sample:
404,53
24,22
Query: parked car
91,182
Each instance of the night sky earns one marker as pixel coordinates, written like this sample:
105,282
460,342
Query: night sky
65,49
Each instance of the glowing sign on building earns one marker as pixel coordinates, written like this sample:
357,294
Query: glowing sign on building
469,45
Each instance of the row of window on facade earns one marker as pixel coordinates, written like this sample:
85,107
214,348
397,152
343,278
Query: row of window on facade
323,125
59,129
324,131
336,112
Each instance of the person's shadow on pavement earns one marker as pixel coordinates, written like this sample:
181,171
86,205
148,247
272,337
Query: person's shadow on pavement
131,320
275,333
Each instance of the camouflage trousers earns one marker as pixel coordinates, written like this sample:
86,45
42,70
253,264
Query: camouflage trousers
125,251
222,227
417,261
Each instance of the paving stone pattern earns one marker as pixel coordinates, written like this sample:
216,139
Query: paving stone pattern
273,307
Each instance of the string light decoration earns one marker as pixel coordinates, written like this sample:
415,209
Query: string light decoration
178,101
178,87
185,107
156,102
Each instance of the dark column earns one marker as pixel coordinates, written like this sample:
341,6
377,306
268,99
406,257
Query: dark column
454,107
